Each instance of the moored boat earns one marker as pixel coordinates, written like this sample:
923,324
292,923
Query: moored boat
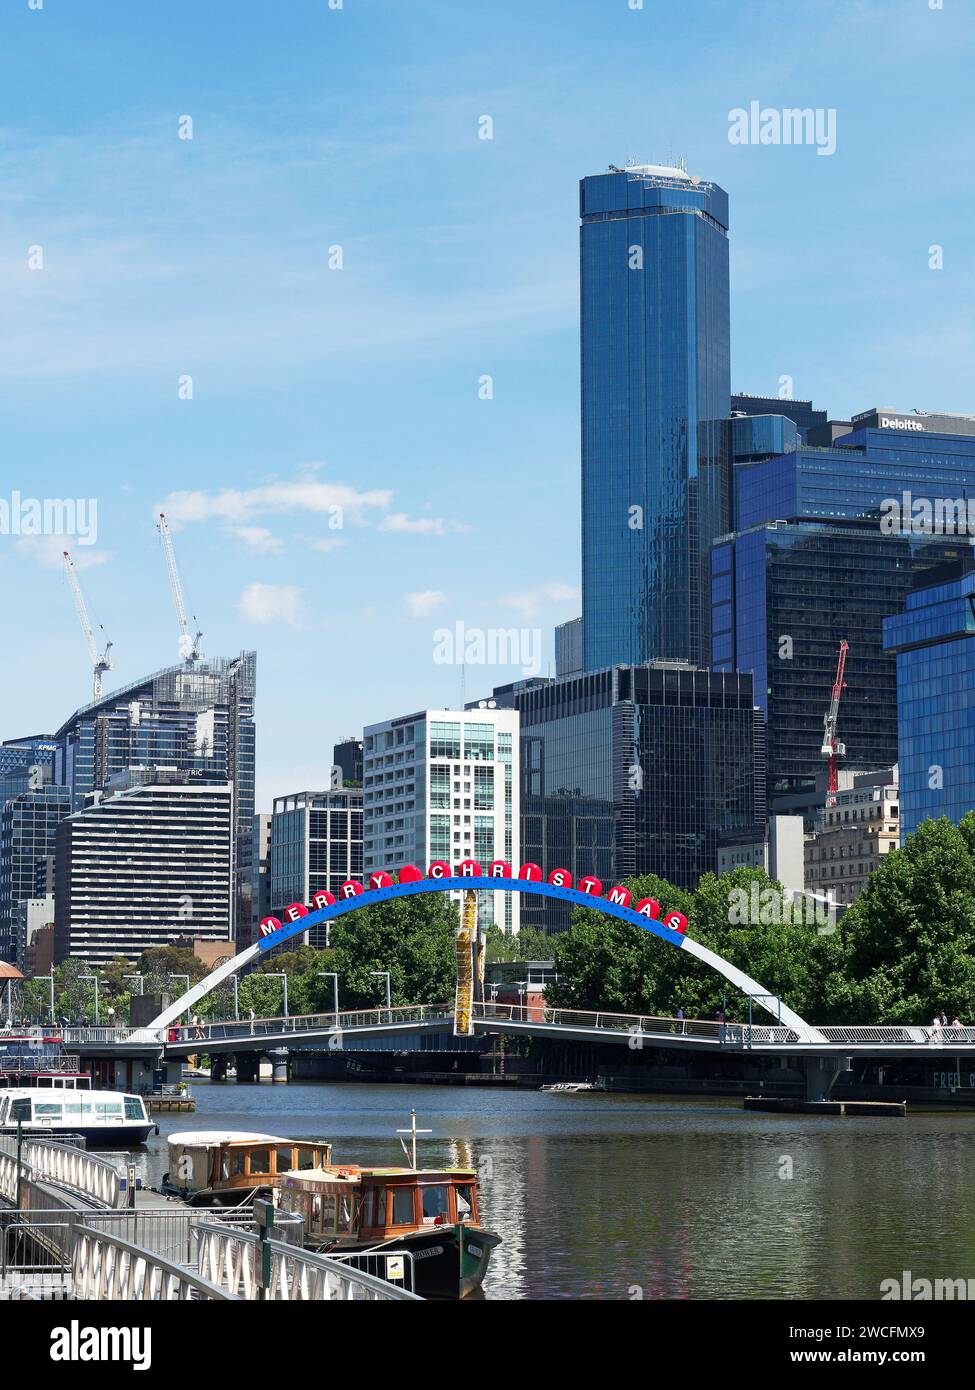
230,1167
104,1119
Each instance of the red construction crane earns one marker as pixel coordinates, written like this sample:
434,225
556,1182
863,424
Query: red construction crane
831,748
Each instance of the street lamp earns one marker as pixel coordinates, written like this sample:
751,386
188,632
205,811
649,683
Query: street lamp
95,978
280,975
236,1001
323,974
140,978
187,979
384,974
50,978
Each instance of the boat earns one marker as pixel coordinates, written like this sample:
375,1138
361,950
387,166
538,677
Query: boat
38,1059
427,1217
230,1167
570,1088
104,1119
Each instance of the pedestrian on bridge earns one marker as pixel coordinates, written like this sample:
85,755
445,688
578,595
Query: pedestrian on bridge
251,1015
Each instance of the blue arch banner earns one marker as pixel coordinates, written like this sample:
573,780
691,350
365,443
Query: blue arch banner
371,896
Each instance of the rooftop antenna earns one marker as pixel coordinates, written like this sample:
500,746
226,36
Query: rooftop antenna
190,648
100,661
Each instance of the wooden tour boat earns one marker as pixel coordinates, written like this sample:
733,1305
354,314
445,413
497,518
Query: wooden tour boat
228,1167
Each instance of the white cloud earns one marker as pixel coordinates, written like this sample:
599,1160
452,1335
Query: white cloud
257,538
238,506
324,545
49,551
271,603
424,602
532,600
421,526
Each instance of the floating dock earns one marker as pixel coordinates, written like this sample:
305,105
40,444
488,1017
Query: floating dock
782,1105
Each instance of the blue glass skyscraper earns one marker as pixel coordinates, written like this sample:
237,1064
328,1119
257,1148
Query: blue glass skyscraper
656,388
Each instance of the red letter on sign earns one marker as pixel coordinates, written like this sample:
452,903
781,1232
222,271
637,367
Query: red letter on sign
676,921
469,868
620,895
295,910
530,871
323,898
588,884
438,869
350,889
380,879
409,873
648,907
560,878
499,869
269,925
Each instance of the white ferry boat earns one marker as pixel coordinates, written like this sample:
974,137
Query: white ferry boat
105,1119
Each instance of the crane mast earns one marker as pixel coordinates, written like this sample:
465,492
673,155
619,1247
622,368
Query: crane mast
831,748
190,648
100,661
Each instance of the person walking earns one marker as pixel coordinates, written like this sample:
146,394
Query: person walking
251,1015
722,1024
680,1019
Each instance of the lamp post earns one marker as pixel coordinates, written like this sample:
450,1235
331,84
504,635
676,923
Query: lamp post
140,978
280,975
181,977
384,974
324,974
236,1000
95,979
50,979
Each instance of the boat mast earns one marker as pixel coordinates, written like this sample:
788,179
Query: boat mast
413,1131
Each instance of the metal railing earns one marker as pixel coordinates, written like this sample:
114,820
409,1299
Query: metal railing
382,1264
56,1066
733,1034
105,1266
232,1260
82,1173
891,1035
244,1029
165,1231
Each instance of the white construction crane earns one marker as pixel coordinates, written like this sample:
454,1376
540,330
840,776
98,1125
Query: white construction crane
190,648
100,661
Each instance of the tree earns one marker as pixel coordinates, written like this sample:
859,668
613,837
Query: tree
412,938
529,944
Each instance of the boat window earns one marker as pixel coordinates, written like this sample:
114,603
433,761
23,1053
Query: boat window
435,1210
282,1160
380,1206
133,1108
238,1168
316,1212
346,1206
306,1158
260,1161
465,1201
20,1109
47,1111
108,1109
402,1206
225,1164
328,1211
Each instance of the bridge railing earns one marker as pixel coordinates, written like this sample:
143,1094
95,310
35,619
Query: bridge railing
80,1172
203,1032
111,1036
46,1234
232,1260
649,1024
106,1266
891,1035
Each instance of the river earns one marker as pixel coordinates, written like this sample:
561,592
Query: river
619,1197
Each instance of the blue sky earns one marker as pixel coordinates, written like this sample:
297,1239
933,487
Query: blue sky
312,387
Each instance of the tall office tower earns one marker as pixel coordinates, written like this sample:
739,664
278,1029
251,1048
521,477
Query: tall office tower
196,719
28,829
801,413
636,770
933,643
568,648
254,863
347,757
443,784
824,551
315,844
655,393
148,861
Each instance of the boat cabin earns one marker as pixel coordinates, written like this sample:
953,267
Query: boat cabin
38,1060
349,1204
223,1164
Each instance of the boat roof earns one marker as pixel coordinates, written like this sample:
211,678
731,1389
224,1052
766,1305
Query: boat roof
234,1136
342,1172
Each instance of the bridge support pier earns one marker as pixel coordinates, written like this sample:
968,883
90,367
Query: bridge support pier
279,1065
248,1067
820,1074
218,1066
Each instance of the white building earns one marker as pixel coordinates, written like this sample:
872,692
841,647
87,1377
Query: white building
443,784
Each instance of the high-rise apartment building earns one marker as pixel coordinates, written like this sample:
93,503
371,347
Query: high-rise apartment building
655,394
315,845
146,862
28,831
443,785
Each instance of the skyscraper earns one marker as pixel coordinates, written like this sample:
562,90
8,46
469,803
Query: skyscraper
315,845
656,388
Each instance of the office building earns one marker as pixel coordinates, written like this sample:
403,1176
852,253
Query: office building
28,830
444,785
635,770
780,851
145,862
655,395
801,413
853,833
197,719
569,655
347,757
933,644
315,844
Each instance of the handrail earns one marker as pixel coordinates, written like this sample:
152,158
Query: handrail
76,1169
232,1259
105,1266
642,1024
204,1032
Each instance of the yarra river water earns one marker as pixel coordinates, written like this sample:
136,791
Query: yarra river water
602,1196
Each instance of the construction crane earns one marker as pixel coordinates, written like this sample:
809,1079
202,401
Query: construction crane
831,748
190,648
100,661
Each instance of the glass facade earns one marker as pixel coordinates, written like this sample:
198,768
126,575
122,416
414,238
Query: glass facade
801,413
28,833
315,845
655,394
636,769
934,646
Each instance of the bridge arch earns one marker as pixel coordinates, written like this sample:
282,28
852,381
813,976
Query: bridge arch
369,897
